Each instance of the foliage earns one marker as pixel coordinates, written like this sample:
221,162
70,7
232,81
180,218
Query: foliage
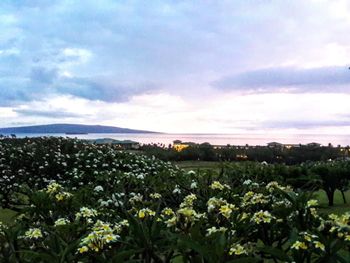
296,154
79,202
333,175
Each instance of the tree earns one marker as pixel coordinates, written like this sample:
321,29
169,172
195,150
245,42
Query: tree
332,178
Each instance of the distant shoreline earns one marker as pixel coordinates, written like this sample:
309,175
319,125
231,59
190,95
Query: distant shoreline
76,133
214,139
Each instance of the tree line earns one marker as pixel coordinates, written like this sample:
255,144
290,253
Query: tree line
207,152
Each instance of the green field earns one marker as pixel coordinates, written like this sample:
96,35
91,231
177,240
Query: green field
339,206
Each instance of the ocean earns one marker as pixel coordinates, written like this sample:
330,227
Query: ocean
214,139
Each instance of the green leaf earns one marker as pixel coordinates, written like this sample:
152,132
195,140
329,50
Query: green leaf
340,259
245,260
46,257
275,252
336,245
68,249
123,256
189,243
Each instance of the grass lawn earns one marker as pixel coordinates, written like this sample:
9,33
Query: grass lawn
339,206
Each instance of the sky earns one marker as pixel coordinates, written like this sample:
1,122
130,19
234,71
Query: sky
244,66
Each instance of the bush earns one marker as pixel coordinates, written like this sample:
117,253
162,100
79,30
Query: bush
79,202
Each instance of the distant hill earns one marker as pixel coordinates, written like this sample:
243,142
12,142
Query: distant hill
70,129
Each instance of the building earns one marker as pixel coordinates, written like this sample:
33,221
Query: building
126,144
282,145
290,146
180,146
275,145
314,144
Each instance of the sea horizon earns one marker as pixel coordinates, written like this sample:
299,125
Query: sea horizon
212,138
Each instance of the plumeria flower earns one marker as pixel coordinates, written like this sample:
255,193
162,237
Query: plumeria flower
98,188
33,233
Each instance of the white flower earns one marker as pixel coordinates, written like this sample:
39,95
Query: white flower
247,182
140,176
33,233
194,184
312,203
213,230
177,190
61,222
98,188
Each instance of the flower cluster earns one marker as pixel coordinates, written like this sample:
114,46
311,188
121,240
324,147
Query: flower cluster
262,217
2,228
145,212
61,222
237,249
216,185
340,225
227,209
272,186
188,201
155,196
252,198
33,233
56,190
307,241
102,235
86,213
213,230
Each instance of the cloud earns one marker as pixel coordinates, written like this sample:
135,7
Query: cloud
101,89
245,115
52,114
325,79
304,124
43,82
43,75
111,52
9,52
180,46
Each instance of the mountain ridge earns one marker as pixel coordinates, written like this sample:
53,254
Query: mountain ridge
70,128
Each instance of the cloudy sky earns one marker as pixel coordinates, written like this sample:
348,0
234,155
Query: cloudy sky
251,66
